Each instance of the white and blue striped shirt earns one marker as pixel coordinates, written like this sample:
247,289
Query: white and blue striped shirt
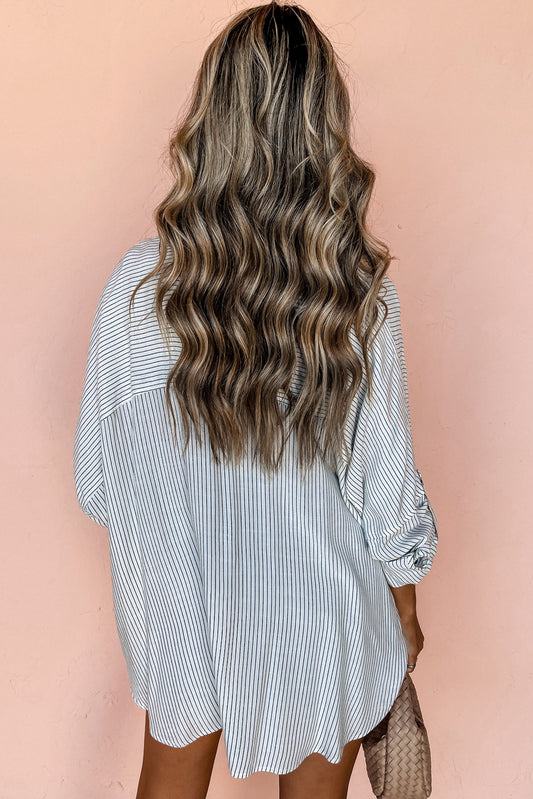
258,606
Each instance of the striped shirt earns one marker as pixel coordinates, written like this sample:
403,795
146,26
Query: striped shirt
257,606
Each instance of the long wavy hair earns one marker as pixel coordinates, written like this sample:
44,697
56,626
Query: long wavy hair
265,261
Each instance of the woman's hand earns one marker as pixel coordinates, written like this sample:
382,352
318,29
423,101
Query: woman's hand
405,599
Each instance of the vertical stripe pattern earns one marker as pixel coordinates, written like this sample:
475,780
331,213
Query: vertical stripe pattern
259,606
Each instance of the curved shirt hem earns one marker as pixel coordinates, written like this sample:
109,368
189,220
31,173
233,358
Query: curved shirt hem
271,768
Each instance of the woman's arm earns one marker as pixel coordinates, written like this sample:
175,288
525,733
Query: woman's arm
380,481
405,599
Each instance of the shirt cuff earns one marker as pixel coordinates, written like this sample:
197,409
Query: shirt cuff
406,553
409,569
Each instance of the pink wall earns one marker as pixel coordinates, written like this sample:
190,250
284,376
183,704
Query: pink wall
442,98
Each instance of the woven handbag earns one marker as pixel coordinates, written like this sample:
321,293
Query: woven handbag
397,755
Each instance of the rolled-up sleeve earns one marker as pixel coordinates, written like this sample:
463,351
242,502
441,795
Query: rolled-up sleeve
87,455
381,481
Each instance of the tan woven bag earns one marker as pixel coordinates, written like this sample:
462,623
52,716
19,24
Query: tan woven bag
397,755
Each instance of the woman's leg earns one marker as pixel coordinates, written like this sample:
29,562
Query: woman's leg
319,778
170,772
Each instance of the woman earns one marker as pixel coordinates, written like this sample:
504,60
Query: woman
244,434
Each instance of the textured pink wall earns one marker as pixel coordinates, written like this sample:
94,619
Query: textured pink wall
442,100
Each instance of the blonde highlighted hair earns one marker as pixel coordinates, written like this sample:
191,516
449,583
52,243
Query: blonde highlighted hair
265,260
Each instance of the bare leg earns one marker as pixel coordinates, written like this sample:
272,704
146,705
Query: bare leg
319,778
170,772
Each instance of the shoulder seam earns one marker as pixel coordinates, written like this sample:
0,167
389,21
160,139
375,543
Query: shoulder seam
129,398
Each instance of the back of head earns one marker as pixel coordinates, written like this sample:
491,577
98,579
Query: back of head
265,262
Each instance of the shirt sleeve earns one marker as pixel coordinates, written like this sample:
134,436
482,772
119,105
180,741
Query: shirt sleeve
87,457
381,483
